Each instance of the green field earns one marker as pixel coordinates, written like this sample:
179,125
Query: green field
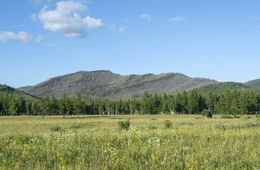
96,142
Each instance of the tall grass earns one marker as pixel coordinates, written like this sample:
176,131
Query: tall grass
182,147
134,149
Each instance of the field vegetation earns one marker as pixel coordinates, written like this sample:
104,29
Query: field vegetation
148,142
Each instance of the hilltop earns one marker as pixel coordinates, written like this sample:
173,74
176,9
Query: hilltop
106,84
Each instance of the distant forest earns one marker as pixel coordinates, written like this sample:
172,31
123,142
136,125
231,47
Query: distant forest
228,102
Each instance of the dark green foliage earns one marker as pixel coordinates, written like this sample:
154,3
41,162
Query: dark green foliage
196,103
57,129
226,103
181,103
151,104
124,125
207,113
221,87
5,88
167,124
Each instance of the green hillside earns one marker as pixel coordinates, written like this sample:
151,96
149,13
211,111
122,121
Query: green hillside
106,84
254,83
220,87
6,90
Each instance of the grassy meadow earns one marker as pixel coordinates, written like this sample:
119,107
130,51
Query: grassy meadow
96,142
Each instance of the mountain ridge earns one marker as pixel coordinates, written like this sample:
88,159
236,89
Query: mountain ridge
254,83
106,84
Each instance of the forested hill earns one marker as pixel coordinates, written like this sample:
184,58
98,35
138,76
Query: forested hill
105,84
7,90
219,98
254,83
224,86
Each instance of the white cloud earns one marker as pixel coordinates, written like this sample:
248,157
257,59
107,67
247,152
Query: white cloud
146,17
92,22
176,19
66,18
23,37
13,36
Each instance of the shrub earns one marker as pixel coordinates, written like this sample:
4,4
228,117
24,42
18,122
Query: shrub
124,125
167,124
207,113
57,129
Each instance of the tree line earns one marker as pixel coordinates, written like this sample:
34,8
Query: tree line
228,102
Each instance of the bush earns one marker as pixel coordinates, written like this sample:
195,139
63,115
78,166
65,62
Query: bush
57,129
167,124
207,113
124,125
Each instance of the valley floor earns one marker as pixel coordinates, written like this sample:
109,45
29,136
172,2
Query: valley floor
96,142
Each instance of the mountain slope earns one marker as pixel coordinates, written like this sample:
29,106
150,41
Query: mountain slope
105,84
4,90
254,83
224,86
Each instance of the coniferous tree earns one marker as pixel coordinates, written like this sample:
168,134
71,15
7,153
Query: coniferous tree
13,105
29,110
36,108
79,105
54,106
46,107
211,102
179,105
1,107
258,103
63,105
193,103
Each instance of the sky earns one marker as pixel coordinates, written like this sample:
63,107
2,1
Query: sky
41,39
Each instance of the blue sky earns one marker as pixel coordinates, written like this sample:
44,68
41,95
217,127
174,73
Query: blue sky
217,39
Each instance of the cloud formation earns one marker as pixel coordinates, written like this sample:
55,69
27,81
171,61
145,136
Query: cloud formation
14,36
92,22
146,17
66,18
